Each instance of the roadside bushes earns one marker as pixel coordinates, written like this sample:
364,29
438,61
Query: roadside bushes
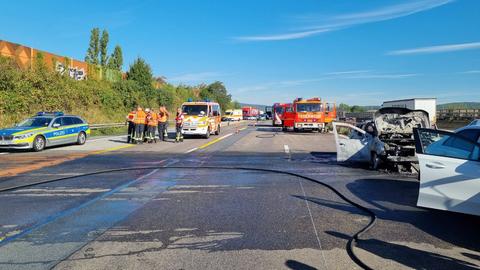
25,92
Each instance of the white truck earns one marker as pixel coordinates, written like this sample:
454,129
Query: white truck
427,104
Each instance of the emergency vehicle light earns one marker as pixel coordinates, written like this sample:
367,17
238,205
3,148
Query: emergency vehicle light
190,100
50,113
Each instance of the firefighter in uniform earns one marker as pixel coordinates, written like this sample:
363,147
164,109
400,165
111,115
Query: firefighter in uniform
179,125
152,123
140,118
131,125
163,123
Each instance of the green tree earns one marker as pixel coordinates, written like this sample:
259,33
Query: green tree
104,48
344,107
236,105
141,72
217,92
94,47
116,59
356,108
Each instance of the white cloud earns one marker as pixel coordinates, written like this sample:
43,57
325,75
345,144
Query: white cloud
348,72
195,77
438,49
318,25
471,72
288,36
338,75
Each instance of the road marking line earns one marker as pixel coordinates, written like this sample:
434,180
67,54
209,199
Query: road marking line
313,223
286,148
242,128
191,150
112,149
215,141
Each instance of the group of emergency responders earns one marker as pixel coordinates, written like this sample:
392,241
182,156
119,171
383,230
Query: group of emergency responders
143,125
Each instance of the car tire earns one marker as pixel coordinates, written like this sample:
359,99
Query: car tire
39,143
374,161
217,132
82,138
207,135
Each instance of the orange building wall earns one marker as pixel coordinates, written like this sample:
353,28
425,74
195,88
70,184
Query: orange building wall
26,56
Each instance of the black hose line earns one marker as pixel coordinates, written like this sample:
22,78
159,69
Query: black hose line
351,242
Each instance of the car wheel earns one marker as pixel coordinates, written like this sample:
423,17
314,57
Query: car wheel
39,143
206,136
374,161
82,138
218,130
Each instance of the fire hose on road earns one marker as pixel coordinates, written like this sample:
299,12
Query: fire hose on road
351,242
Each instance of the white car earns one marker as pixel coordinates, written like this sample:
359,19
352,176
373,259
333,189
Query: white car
449,169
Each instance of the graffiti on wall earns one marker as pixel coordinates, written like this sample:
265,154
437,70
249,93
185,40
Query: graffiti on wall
74,72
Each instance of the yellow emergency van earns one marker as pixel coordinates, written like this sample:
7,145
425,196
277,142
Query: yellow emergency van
201,118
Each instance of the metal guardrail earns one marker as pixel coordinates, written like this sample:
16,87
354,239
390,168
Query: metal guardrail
108,125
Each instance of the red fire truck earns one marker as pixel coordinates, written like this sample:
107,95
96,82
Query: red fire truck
278,113
305,114
250,113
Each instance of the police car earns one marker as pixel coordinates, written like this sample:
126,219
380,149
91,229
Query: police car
44,130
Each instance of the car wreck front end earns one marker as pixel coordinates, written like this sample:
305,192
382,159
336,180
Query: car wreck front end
388,139
394,143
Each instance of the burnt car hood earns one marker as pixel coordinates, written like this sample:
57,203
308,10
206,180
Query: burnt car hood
400,120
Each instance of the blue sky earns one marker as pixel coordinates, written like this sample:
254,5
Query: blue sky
358,52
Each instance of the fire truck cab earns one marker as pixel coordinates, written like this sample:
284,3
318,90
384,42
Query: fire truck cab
305,114
278,113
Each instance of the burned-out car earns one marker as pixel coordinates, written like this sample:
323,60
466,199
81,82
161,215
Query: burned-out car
387,139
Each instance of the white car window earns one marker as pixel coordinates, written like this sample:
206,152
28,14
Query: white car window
448,145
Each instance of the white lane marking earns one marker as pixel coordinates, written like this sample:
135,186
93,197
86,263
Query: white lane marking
191,150
313,223
287,149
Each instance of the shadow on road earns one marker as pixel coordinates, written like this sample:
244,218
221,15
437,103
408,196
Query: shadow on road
296,265
407,256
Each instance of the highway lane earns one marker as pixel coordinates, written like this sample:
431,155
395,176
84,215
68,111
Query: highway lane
216,219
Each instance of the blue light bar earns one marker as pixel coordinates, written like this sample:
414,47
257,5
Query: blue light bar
50,114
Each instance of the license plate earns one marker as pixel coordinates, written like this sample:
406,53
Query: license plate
4,142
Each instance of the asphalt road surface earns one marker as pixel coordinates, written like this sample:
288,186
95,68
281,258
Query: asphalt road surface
202,218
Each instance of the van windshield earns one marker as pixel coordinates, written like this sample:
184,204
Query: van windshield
194,109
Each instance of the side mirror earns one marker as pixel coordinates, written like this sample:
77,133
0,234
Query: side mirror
56,125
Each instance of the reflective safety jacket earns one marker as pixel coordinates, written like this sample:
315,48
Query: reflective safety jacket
162,117
179,119
131,116
140,117
152,119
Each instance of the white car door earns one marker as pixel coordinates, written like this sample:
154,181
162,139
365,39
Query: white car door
352,143
449,171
